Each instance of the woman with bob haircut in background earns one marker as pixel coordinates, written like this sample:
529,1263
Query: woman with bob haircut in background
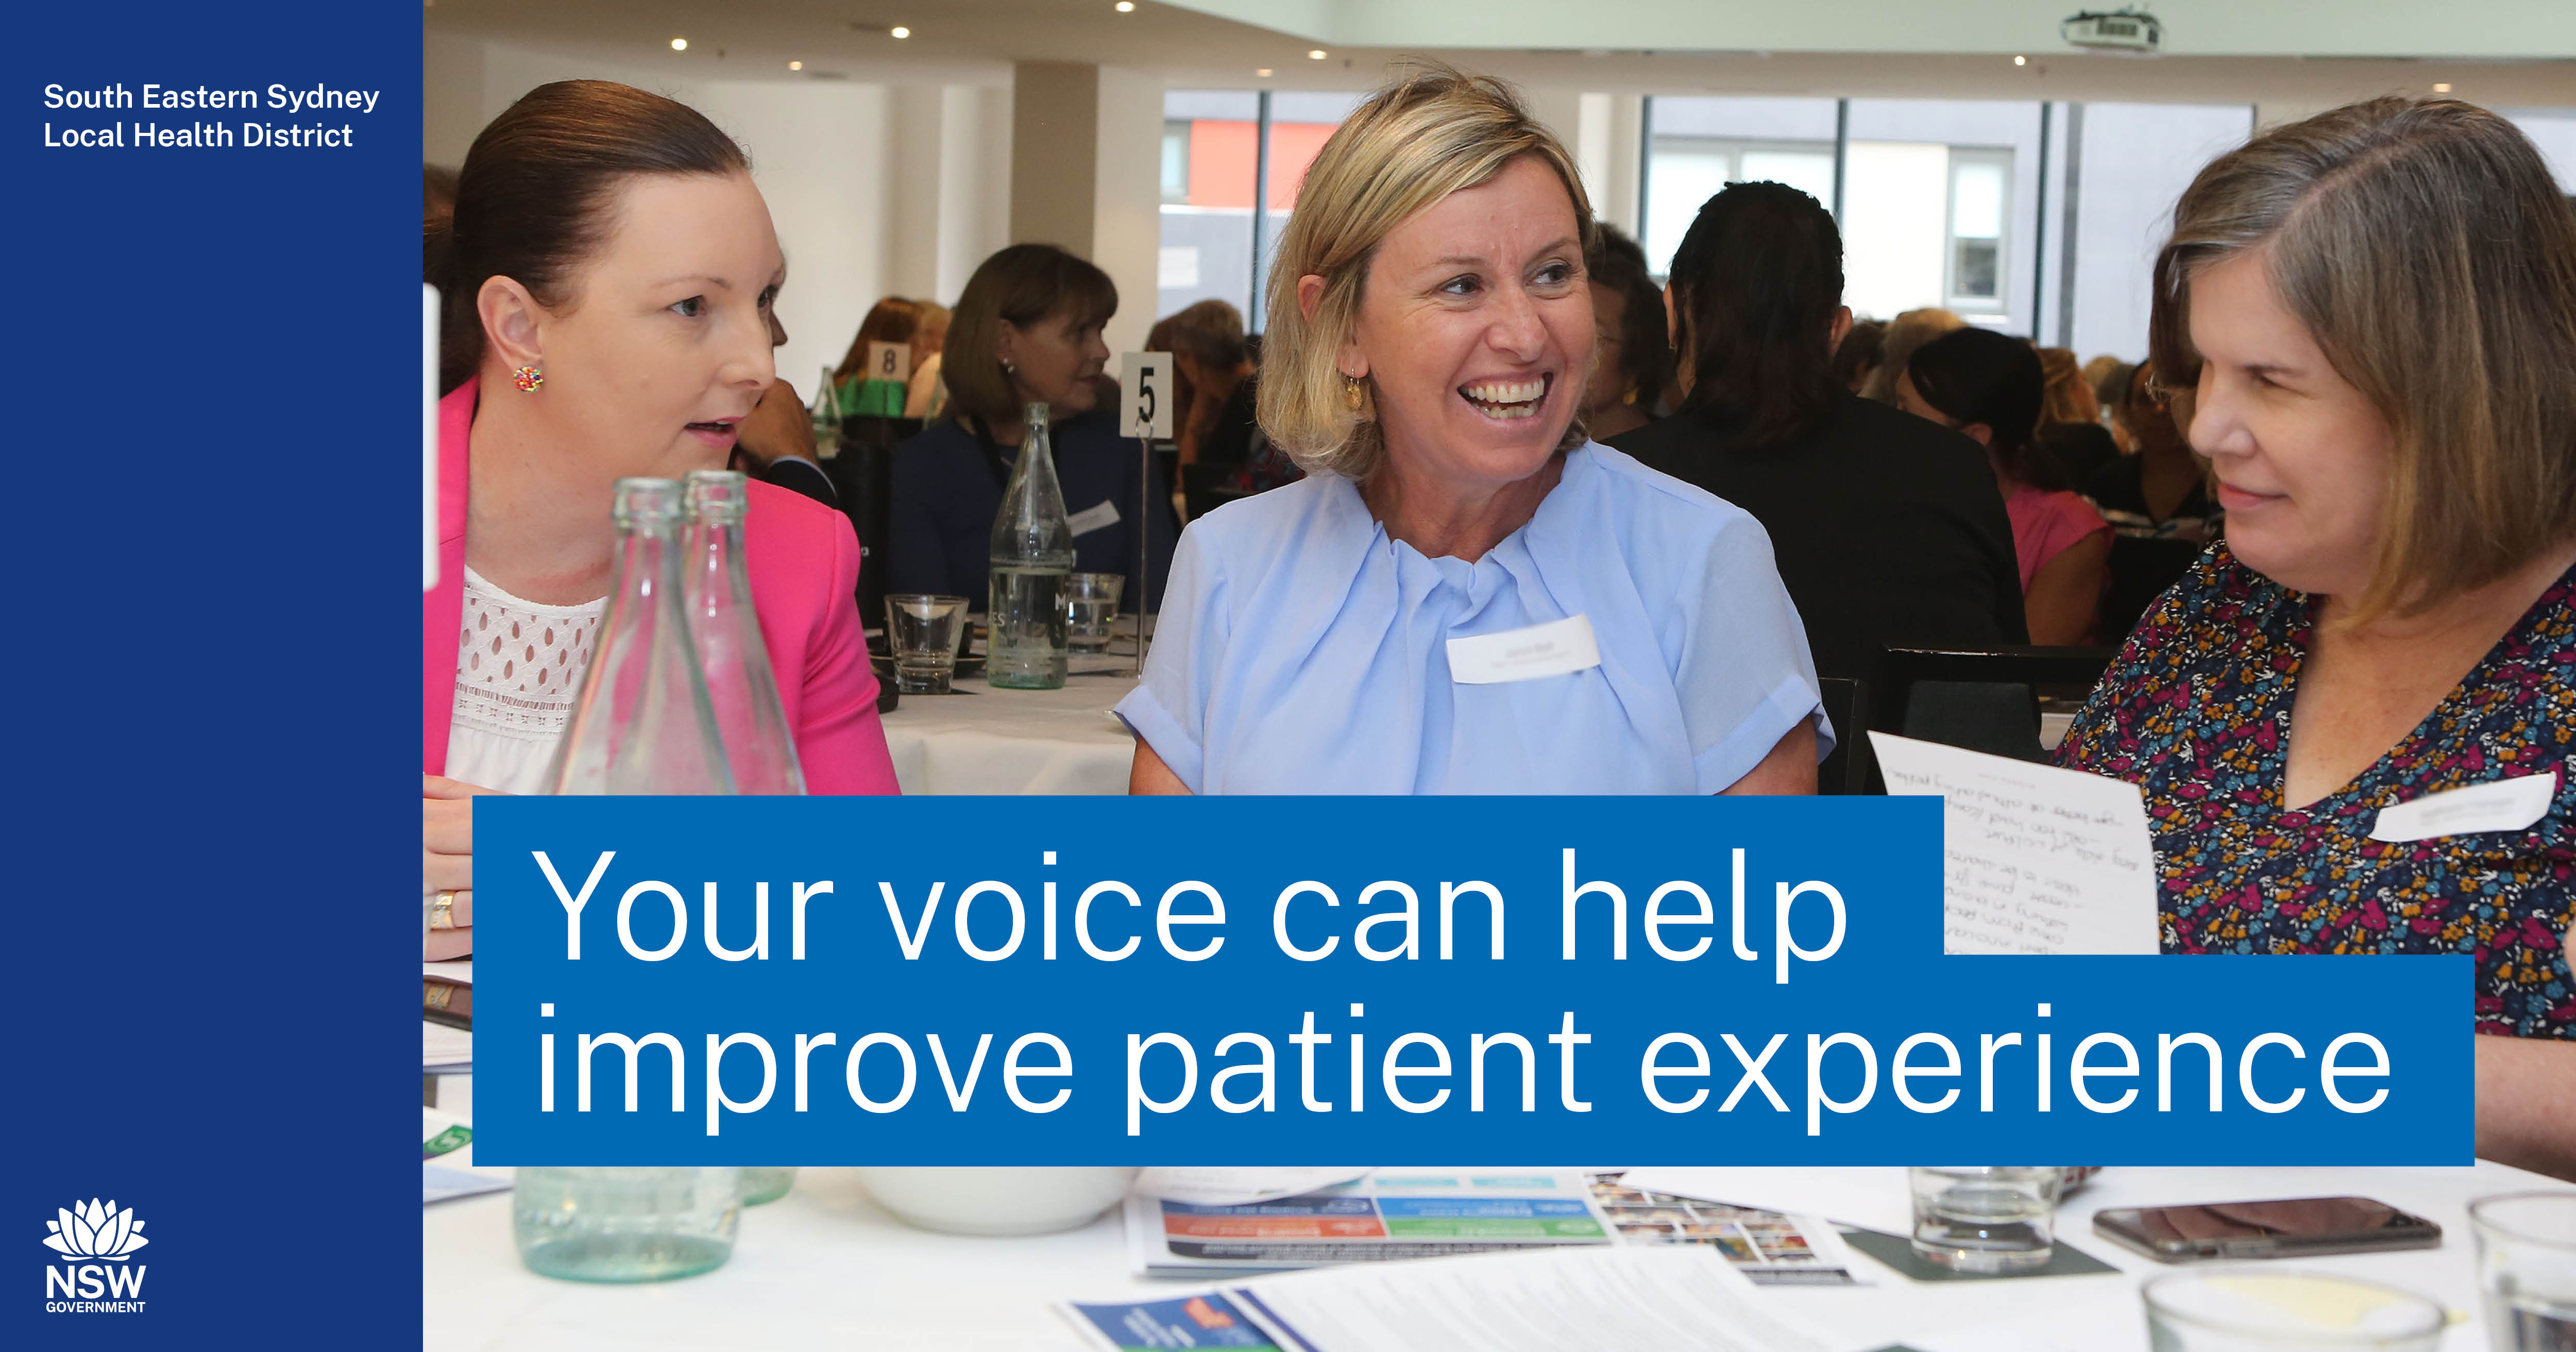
1465,595
2375,313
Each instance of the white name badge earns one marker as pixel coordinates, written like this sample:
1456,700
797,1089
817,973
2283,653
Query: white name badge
1550,649
1089,519
2505,805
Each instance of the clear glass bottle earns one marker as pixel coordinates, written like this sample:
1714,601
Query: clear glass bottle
766,1184
1032,557
759,746
826,417
625,1224
642,722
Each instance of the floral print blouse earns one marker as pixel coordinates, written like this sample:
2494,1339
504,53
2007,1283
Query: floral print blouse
2196,711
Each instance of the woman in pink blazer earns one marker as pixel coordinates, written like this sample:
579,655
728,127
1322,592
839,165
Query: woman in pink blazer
609,274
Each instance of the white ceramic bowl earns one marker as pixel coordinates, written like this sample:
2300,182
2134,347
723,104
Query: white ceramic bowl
997,1200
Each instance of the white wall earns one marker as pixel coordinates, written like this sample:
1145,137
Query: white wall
1127,199
2555,133
1891,262
2137,159
820,153
875,189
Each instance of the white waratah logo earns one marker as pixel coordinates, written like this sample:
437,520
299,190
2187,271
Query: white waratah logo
98,1230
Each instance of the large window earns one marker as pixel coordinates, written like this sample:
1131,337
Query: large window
1695,146
1931,194
1214,153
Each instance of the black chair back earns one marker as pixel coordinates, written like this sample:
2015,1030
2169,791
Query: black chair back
1980,699
863,474
1846,771
2142,571
1203,488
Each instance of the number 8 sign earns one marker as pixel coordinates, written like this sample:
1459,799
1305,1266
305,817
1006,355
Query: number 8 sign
1146,403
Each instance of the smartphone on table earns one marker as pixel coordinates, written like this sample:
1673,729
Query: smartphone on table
2284,1228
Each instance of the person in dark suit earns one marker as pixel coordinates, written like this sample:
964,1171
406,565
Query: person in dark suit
1027,330
776,446
1887,528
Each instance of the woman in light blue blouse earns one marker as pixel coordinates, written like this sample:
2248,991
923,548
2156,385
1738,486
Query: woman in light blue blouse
1466,595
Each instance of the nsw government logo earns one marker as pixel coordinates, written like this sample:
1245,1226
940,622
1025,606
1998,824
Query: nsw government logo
96,1240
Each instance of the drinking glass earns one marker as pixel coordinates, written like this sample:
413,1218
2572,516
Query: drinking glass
2527,1269
1091,606
1986,1219
2257,1309
625,1224
766,1184
924,632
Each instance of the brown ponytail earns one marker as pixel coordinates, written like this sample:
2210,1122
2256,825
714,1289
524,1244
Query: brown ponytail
531,201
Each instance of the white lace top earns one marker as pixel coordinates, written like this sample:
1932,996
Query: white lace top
518,665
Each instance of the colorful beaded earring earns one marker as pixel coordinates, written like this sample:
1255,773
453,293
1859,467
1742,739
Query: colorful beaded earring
527,378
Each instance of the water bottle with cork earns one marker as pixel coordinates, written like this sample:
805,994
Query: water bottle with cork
1031,558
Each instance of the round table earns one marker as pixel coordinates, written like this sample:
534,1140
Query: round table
980,740
825,1268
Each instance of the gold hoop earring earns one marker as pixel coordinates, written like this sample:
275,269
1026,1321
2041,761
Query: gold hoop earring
1354,394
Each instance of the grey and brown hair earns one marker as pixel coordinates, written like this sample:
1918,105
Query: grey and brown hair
2425,246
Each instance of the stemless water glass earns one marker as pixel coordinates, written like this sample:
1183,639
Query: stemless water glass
1986,1219
625,1225
925,632
2527,1269
2256,1309
1091,607
766,1185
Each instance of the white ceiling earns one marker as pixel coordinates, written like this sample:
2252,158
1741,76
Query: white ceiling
2383,28
1884,48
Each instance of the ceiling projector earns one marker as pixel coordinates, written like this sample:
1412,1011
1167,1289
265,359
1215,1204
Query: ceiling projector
2124,32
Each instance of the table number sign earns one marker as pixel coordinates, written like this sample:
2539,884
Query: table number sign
890,361
1148,409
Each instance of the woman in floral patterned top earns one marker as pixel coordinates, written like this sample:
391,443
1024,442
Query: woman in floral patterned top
2379,304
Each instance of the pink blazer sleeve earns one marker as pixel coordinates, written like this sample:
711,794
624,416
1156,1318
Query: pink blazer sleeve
804,563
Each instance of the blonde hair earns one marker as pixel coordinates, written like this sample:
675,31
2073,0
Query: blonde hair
2426,248
1905,333
1436,131
2065,396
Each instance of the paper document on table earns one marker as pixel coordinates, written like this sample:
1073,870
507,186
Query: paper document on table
1210,1186
1878,1198
445,1050
1388,1214
2035,859
1673,1300
440,1185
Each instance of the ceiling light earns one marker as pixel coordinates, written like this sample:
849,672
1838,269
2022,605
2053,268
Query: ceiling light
1264,72
796,65
1126,6
2021,60
1315,55
679,44
902,32
2441,89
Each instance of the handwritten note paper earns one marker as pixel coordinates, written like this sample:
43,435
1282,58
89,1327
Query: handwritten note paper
2037,859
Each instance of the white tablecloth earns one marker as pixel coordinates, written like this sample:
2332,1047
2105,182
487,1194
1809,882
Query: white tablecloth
825,1268
982,740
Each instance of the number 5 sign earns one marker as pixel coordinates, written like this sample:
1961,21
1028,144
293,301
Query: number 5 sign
1148,396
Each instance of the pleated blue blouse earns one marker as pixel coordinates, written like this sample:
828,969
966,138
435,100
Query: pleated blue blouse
1302,650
